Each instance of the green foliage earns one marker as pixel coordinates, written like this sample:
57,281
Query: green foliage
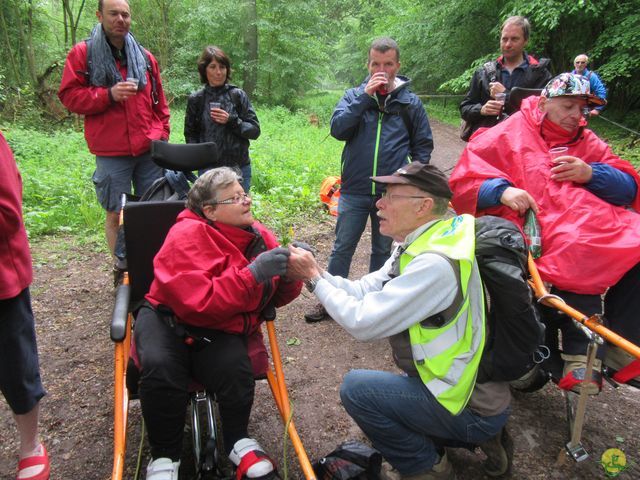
290,160
58,195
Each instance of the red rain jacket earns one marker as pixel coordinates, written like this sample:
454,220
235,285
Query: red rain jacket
114,128
201,274
15,260
587,243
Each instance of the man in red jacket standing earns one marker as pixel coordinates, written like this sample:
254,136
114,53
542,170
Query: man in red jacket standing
19,370
115,83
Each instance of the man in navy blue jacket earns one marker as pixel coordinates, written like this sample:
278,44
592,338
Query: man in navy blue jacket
384,126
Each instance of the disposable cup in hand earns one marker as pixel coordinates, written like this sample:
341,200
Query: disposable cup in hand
500,97
213,105
135,81
558,152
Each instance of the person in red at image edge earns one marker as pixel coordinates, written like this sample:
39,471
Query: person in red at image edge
19,369
217,277
587,204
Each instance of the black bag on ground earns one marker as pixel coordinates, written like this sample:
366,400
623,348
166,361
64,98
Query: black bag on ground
514,330
352,460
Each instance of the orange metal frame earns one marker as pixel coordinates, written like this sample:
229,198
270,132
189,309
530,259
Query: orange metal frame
121,399
275,378
591,323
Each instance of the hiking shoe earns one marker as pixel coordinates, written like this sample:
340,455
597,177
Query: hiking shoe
316,314
443,470
499,452
575,367
163,469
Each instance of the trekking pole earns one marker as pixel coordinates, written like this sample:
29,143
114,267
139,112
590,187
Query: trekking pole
281,397
592,323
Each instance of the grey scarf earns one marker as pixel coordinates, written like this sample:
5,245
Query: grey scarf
102,65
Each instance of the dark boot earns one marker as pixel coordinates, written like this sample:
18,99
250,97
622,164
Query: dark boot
499,452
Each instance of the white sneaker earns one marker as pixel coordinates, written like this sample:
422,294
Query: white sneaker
163,469
256,467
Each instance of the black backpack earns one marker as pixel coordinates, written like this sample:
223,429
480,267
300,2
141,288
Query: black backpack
352,460
514,330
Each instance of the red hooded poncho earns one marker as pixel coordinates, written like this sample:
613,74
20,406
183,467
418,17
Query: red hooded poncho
588,244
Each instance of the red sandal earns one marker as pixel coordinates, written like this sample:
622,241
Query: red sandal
34,461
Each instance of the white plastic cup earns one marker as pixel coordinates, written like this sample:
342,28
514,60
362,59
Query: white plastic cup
135,81
500,97
558,152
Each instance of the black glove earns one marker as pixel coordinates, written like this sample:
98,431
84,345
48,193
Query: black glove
305,246
269,264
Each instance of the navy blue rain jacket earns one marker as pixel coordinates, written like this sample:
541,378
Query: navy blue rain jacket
377,139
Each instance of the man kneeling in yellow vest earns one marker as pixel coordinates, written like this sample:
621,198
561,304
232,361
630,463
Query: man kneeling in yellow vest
428,300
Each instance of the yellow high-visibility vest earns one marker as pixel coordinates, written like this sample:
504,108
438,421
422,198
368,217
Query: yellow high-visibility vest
447,356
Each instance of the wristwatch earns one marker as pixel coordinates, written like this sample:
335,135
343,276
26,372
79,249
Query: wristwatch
312,282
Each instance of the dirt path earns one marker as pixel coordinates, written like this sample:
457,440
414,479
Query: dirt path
73,298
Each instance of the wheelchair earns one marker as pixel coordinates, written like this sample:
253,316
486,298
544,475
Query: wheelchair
144,225
597,333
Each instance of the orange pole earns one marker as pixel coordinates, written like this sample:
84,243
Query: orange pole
590,322
121,400
277,384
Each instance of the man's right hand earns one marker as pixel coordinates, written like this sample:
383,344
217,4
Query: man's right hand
377,80
518,200
122,91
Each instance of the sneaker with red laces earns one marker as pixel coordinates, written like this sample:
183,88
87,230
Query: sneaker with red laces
316,314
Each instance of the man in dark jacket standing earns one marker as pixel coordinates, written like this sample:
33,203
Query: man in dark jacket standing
115,84
384,127
514,68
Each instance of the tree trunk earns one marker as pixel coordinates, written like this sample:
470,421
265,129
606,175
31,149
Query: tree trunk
28,47
8,49
250,79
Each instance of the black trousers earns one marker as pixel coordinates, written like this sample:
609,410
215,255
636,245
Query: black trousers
20,380
621,307
168,366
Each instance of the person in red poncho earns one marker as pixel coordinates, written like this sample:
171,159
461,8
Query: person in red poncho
587,205
217,276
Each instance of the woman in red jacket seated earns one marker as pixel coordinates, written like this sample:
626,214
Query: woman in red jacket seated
216,276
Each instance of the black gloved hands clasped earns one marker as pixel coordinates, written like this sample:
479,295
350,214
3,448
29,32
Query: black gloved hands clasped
269,264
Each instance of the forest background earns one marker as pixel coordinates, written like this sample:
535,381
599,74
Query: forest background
294,58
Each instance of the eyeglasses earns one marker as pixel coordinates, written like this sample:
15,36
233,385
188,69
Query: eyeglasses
235,200
391,196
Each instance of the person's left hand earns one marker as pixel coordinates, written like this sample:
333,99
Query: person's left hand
302,264
594,112
571,169
219,115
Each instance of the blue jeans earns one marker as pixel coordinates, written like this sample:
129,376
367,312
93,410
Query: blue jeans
406,423
245,171
353,211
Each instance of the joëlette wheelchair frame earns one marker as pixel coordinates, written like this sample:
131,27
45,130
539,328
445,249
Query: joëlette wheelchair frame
146,225
593,328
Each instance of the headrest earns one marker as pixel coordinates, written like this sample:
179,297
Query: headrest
184,157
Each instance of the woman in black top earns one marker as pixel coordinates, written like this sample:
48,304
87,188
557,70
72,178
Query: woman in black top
222,113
